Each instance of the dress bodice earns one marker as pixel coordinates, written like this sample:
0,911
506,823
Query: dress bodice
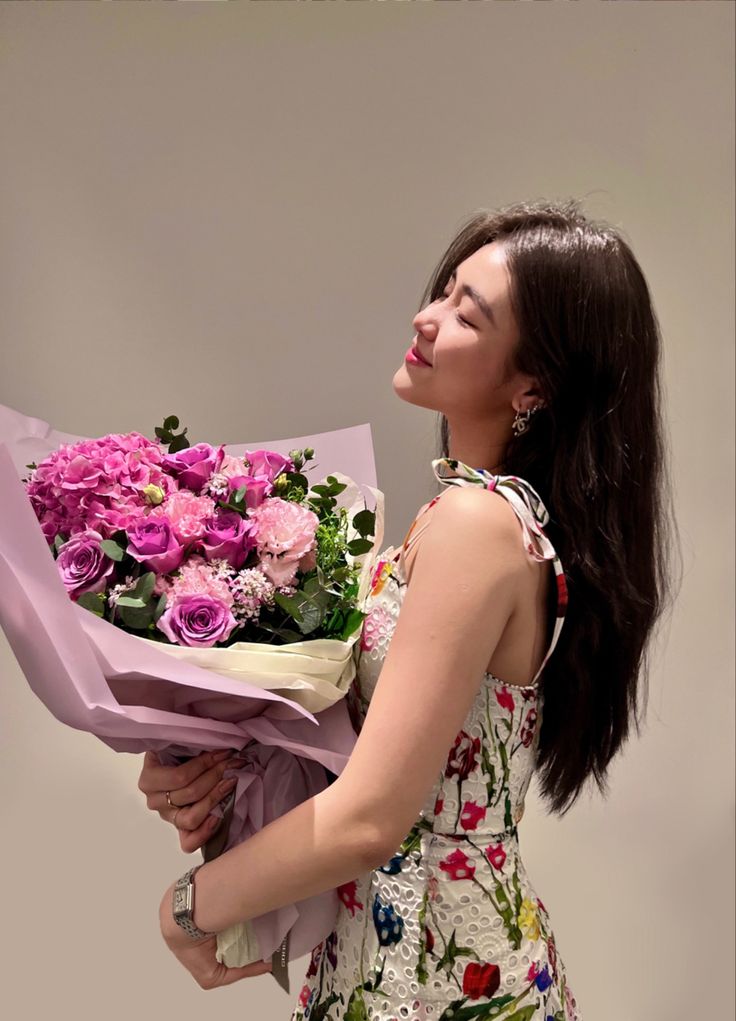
489,766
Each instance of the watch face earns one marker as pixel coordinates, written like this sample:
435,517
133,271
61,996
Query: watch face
180,900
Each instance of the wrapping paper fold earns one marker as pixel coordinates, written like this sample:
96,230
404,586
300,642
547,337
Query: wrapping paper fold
282,705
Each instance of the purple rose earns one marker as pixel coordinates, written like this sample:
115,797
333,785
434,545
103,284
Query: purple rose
194,465
197,620
151,541
82,564
230,536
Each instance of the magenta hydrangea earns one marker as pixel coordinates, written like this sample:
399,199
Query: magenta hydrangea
104,484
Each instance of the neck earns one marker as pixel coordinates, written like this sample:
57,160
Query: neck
477,452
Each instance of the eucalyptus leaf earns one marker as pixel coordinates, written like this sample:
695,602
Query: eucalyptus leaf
130,601
112,550
94,601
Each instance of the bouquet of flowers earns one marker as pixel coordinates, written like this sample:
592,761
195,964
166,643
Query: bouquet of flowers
180,598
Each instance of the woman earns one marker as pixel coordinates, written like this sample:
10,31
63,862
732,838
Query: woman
540,349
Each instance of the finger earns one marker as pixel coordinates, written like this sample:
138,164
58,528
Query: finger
205,786
193,840
225,976
193,817
154,777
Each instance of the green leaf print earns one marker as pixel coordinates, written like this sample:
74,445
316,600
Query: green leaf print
451,954
356,1007
477,1011
320,1010
488,766
517,890
522,1015
507,914
422,973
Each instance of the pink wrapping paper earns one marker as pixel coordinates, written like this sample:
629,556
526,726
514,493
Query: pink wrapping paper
96,678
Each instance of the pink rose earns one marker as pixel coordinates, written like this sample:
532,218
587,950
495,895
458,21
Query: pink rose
152,543
82,564
268,463
195,465
256,489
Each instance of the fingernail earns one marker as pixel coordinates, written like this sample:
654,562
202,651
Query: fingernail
219,756
236,763
212,822
227,785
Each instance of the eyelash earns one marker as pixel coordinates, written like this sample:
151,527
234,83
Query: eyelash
457,314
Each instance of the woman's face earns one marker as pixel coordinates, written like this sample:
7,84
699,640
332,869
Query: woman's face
468,337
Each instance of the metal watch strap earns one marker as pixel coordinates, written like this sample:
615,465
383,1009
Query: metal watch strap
183,904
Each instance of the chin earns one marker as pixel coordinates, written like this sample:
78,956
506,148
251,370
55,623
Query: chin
406,390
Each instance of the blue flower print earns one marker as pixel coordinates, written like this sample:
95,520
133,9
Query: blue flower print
389,925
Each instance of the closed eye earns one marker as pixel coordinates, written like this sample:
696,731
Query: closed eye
465,322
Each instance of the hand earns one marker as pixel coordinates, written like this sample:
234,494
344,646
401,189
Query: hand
198,955
195,787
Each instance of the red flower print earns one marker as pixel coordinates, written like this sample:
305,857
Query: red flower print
438,805
541,905
461,758
428,939
495,855
505,699
481,980
471,815
304,996
346,893
561,594
527,731
552,954
458,865
315,959
533,971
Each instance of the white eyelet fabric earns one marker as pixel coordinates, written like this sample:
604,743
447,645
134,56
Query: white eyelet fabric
450,927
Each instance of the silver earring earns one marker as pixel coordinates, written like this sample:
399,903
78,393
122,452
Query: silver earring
521,421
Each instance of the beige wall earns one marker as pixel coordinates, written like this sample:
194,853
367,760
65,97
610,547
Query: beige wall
229,212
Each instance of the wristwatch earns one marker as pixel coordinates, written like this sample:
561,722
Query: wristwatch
183,904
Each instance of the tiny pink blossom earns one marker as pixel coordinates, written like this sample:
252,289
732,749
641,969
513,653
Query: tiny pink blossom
197,577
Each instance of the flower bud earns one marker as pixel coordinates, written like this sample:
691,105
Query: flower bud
154,494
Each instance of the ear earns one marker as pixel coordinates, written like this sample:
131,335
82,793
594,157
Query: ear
530,397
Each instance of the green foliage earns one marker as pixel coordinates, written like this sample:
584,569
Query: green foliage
167,435
93,601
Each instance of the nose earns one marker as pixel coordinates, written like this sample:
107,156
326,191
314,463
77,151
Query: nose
424,325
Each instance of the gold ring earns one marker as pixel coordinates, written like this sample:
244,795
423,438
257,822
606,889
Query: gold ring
169,802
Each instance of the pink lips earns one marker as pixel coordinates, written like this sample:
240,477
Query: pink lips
413,355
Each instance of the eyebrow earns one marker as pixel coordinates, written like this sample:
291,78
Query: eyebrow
479,300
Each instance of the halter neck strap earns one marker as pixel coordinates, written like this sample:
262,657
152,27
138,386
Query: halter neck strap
523,497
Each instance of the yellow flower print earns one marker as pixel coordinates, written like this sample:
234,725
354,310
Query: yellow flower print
528,920
380,576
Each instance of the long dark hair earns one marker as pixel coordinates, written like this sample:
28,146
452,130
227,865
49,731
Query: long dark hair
597,455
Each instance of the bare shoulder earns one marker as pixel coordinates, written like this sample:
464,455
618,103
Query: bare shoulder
476,514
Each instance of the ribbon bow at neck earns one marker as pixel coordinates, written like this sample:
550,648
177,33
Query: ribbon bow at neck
522,496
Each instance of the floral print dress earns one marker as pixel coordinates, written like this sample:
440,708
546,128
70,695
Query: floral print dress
450,928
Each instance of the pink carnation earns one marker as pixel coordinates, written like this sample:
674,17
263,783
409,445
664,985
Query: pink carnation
97,484
187,514
286,534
